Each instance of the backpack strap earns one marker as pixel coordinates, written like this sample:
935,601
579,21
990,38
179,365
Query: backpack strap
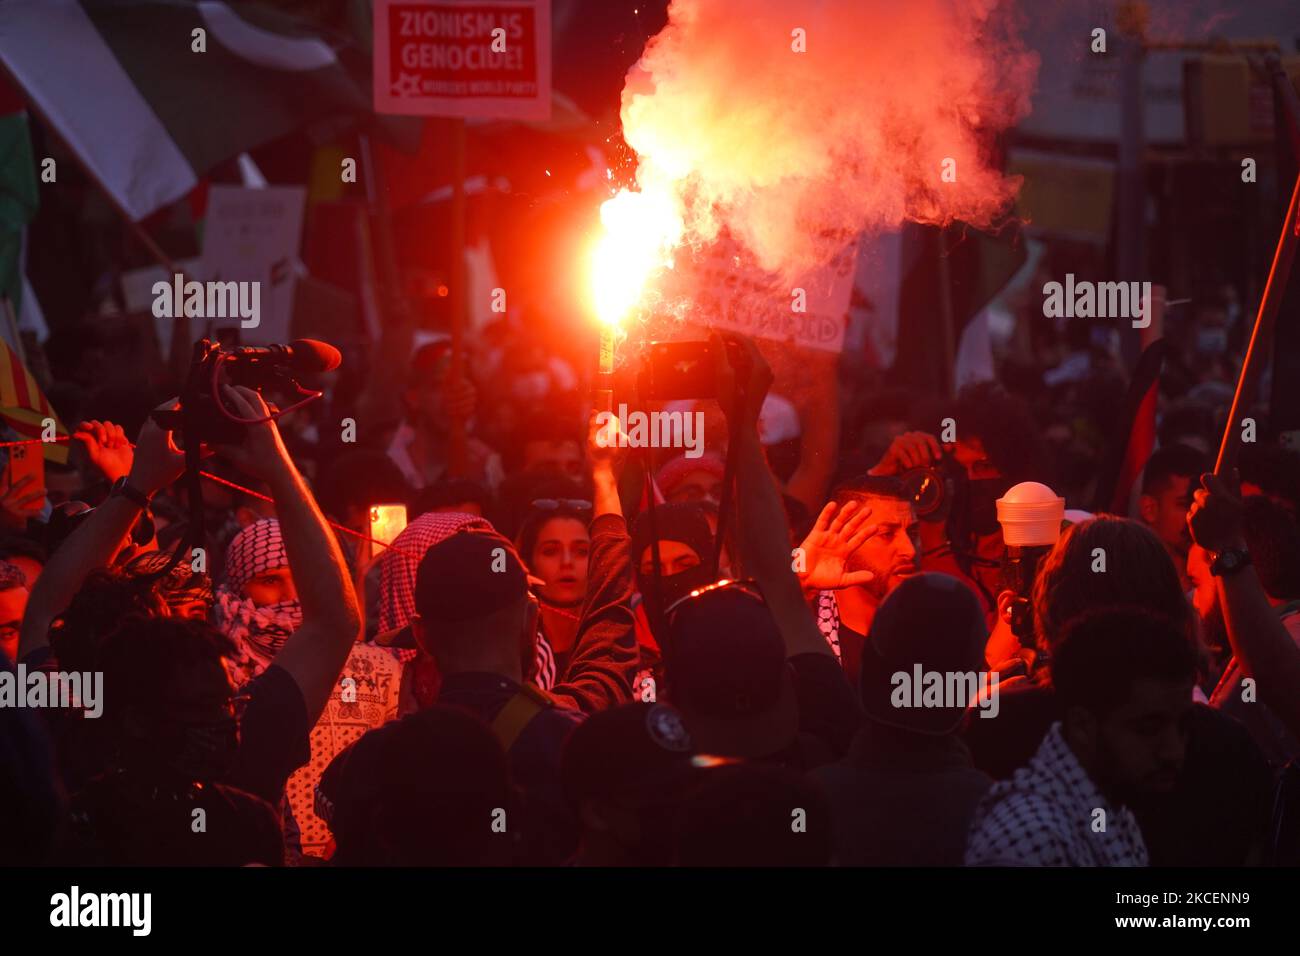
517,714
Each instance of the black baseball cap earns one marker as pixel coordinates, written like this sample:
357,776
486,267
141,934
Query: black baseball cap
727,673
634,755
931,621
467,575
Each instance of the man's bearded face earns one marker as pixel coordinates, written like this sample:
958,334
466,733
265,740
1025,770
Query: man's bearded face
893,552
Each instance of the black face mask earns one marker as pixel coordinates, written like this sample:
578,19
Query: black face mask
674,587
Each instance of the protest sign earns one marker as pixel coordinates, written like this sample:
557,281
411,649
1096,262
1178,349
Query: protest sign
465,59
728,290
252,235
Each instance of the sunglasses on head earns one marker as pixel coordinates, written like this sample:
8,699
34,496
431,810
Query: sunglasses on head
555,504
747,586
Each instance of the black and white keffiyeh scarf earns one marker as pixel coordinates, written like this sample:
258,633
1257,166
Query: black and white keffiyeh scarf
397,568
1051,813
258,632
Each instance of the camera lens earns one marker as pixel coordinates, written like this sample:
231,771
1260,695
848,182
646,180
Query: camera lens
925,488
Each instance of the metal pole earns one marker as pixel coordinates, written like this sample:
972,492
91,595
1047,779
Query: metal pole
1278,273
459,293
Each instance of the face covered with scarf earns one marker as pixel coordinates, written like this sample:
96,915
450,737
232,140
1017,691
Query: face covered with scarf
685,550
188,593
256,602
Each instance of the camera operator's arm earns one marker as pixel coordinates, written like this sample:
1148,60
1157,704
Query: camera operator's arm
1259,639
819,418
761,522
157,463
315,653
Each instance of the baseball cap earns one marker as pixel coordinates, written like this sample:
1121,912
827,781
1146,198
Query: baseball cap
469,574
727,673
931,621
634,754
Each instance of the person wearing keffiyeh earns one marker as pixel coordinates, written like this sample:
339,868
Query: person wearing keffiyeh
397,569
188,593
1123,738
13,601
256,603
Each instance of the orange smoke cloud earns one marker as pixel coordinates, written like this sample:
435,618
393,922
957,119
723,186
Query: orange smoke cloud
792,152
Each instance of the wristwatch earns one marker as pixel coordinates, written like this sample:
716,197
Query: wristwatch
133,494
1229,561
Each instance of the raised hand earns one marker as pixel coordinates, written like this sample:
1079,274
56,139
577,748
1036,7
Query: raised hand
603,445
107,447
749,383
261,452
826,550
157,462
1215,518
909,450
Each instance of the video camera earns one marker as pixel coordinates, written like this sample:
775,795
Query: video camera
204,418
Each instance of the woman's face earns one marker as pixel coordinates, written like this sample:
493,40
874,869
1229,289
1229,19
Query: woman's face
560,559
271,587
674,557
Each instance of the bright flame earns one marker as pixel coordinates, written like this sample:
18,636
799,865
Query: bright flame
639,232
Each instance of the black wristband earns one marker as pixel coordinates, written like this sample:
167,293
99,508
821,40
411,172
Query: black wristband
121,488
1229,561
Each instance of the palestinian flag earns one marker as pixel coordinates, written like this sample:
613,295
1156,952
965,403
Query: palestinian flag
24,406
1131,446
123,84
979,266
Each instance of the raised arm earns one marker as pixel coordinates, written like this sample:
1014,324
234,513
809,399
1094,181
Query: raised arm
156,464
819,418
761,521
1259,640
315,653
605,656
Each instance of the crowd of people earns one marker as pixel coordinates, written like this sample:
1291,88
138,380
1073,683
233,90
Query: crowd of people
576,653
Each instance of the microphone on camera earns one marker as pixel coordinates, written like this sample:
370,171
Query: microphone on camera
300,355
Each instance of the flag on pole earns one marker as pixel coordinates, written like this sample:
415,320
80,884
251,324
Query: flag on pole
18,194
152,94
1131,446
24,406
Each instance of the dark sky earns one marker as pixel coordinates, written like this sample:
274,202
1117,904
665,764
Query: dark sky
595,43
